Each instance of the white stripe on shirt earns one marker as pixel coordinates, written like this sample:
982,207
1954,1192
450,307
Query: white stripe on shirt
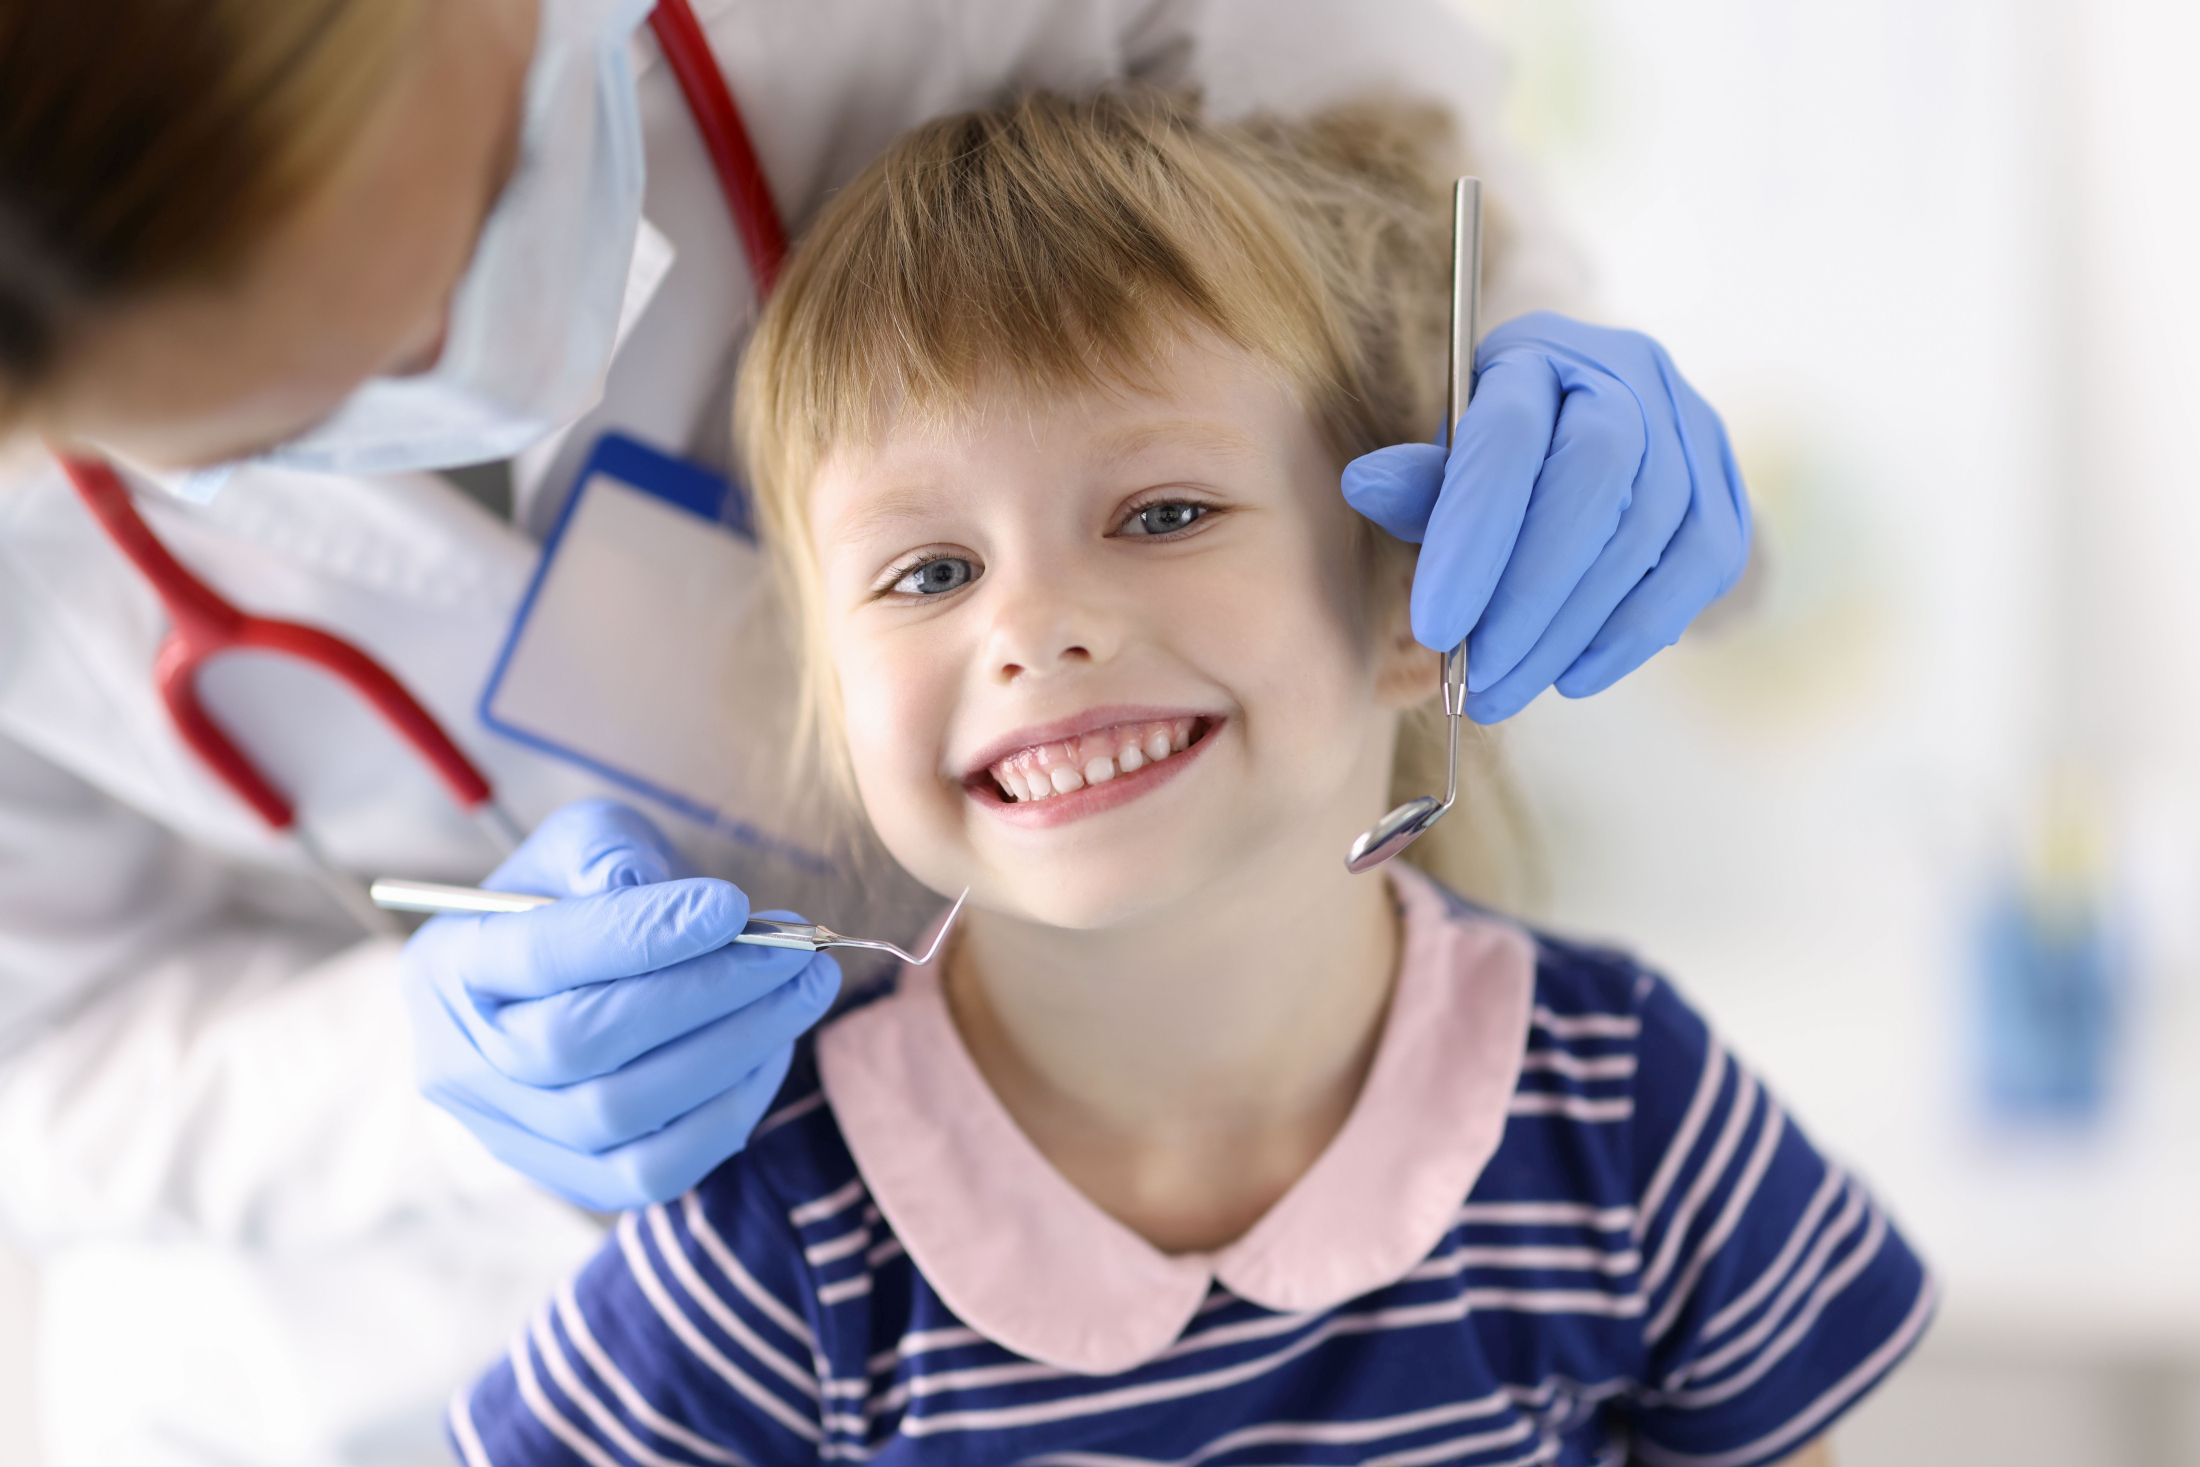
1574,1067
1739,1114
1555,1301
637,1405
917,1342
1730,1217
1805,1423
794,1112
1586,1026
1460,1446
767,1303
552,1419
1684,1140
1527,1256
606,1420
683,1328
461,1417
1828,1289
1798,1284
721,1312
841,1291
1024,1372
1319,1433
1546,1214
824,1207
832,1250
1558,1397
1573,1107
1740,1308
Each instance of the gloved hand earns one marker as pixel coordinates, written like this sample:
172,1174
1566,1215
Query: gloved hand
1590,509
613,1046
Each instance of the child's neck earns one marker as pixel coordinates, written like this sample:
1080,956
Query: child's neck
1185,1071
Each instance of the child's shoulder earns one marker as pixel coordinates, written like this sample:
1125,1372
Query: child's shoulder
1615,1057
1576,979
796,1165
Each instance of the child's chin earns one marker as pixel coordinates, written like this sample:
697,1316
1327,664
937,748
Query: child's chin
1091,896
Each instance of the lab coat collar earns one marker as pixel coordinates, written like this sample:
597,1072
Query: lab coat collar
1027,1260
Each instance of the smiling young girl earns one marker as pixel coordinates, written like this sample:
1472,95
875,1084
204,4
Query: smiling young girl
1200,1149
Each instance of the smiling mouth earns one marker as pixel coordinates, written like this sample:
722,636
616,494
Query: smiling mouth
1065,766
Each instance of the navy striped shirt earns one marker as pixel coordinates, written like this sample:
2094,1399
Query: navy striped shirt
1654,1265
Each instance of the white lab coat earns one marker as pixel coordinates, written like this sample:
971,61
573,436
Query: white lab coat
258,1245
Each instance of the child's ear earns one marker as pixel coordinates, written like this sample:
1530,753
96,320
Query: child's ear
1407,674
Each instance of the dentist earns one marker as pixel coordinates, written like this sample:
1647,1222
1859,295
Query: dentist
277,259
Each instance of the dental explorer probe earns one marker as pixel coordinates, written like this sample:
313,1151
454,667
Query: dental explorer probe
1406,824
439,900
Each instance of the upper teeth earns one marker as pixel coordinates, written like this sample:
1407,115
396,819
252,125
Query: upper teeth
1046,770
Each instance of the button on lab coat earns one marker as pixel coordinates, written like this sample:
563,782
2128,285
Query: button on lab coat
257,1244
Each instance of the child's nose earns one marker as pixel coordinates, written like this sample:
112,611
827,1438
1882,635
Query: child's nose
1041,629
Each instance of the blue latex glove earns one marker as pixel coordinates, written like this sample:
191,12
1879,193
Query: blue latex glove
611,1046
1590,509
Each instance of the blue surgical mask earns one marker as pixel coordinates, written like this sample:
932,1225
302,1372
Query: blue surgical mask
536,316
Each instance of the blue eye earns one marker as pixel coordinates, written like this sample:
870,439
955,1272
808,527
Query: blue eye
1165,518
936,577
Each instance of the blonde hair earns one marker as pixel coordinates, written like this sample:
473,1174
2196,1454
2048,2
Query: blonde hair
1065,244
149,143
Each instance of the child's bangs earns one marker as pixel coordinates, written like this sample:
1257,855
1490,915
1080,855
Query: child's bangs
1047,246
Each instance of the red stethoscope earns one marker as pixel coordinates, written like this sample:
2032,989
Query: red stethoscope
203,625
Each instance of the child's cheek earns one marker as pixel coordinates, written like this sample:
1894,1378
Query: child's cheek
897,704
1285,625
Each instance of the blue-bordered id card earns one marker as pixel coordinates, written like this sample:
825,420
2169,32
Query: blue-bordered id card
651,650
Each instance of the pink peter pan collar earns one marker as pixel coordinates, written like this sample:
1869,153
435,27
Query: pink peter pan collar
1026,1259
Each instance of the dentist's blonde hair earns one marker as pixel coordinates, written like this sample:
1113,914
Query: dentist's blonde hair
1064,244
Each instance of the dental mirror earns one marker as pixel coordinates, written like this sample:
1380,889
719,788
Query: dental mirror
1406,824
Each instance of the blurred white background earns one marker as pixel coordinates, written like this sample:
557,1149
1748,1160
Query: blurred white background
1938,262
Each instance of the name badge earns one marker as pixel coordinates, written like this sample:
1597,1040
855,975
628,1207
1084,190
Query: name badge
651,650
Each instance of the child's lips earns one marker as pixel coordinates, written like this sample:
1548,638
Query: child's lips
1057,780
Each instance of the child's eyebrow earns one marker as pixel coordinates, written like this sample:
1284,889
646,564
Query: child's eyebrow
888,509
1207,434
918,503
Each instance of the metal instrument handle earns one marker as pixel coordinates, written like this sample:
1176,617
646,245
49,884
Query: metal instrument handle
1466,335
764,932
437,899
